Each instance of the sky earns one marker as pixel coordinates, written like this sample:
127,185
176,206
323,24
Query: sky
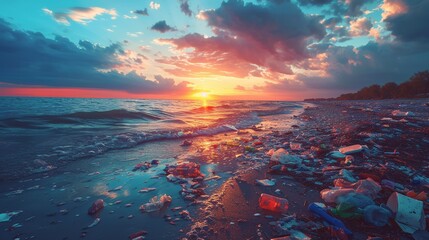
232,49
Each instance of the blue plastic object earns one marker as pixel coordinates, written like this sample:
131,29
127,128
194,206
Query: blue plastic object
319,211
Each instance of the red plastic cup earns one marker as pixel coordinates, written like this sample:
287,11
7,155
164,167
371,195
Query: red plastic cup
272,203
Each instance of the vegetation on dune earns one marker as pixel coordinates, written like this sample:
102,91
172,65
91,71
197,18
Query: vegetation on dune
416,87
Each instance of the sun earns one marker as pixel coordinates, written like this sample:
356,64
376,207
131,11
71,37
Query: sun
204,94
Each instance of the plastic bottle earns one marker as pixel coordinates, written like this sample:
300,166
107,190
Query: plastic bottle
377,216
272,203
328,218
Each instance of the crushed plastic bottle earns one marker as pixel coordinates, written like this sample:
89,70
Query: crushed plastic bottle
272,203
96,207
376,215
156,204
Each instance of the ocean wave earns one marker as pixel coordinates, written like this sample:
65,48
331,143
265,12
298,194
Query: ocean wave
35,122
112,114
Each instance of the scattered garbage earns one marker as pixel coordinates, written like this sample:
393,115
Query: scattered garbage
156,204
347,175
266,182
96,207
145,190
351,205
376,215
409,214
336,154
272,203
4,217
186,170
399,113
137,235
319,211
96,221
351,149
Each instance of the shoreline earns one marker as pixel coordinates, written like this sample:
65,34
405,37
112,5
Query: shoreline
231,162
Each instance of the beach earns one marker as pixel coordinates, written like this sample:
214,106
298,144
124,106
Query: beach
222,203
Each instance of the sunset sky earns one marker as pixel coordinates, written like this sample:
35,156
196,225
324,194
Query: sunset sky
273,49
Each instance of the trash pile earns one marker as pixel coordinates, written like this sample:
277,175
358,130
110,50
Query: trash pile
356,182
189,176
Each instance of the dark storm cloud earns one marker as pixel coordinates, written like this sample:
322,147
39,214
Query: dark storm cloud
184,7
314,2
413,25
31,59
162,27
141,12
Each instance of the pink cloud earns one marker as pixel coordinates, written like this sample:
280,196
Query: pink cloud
249,40
360,27
393,8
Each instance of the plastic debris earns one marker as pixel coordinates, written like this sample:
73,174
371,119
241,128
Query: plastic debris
351,205
331,195
295,146
96,207
96,221
4,217
366,186
347,175
156,204
186,170
336,154
137,235
422,196
399,113
275,155
266,182
351,149
376,215
408,212
145,190
314,208
272,203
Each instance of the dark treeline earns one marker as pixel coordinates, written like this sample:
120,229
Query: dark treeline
416,87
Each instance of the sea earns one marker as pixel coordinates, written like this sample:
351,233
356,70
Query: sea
38,135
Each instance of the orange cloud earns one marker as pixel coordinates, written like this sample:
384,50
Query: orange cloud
393,8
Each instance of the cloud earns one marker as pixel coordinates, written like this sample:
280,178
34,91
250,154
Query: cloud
350,68
80,14
360,27
154,5
184,7
162,27
410,21
393,8
240,88
141,12
31,59
262,40
314,2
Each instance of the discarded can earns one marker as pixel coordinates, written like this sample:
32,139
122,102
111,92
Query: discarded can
272,203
